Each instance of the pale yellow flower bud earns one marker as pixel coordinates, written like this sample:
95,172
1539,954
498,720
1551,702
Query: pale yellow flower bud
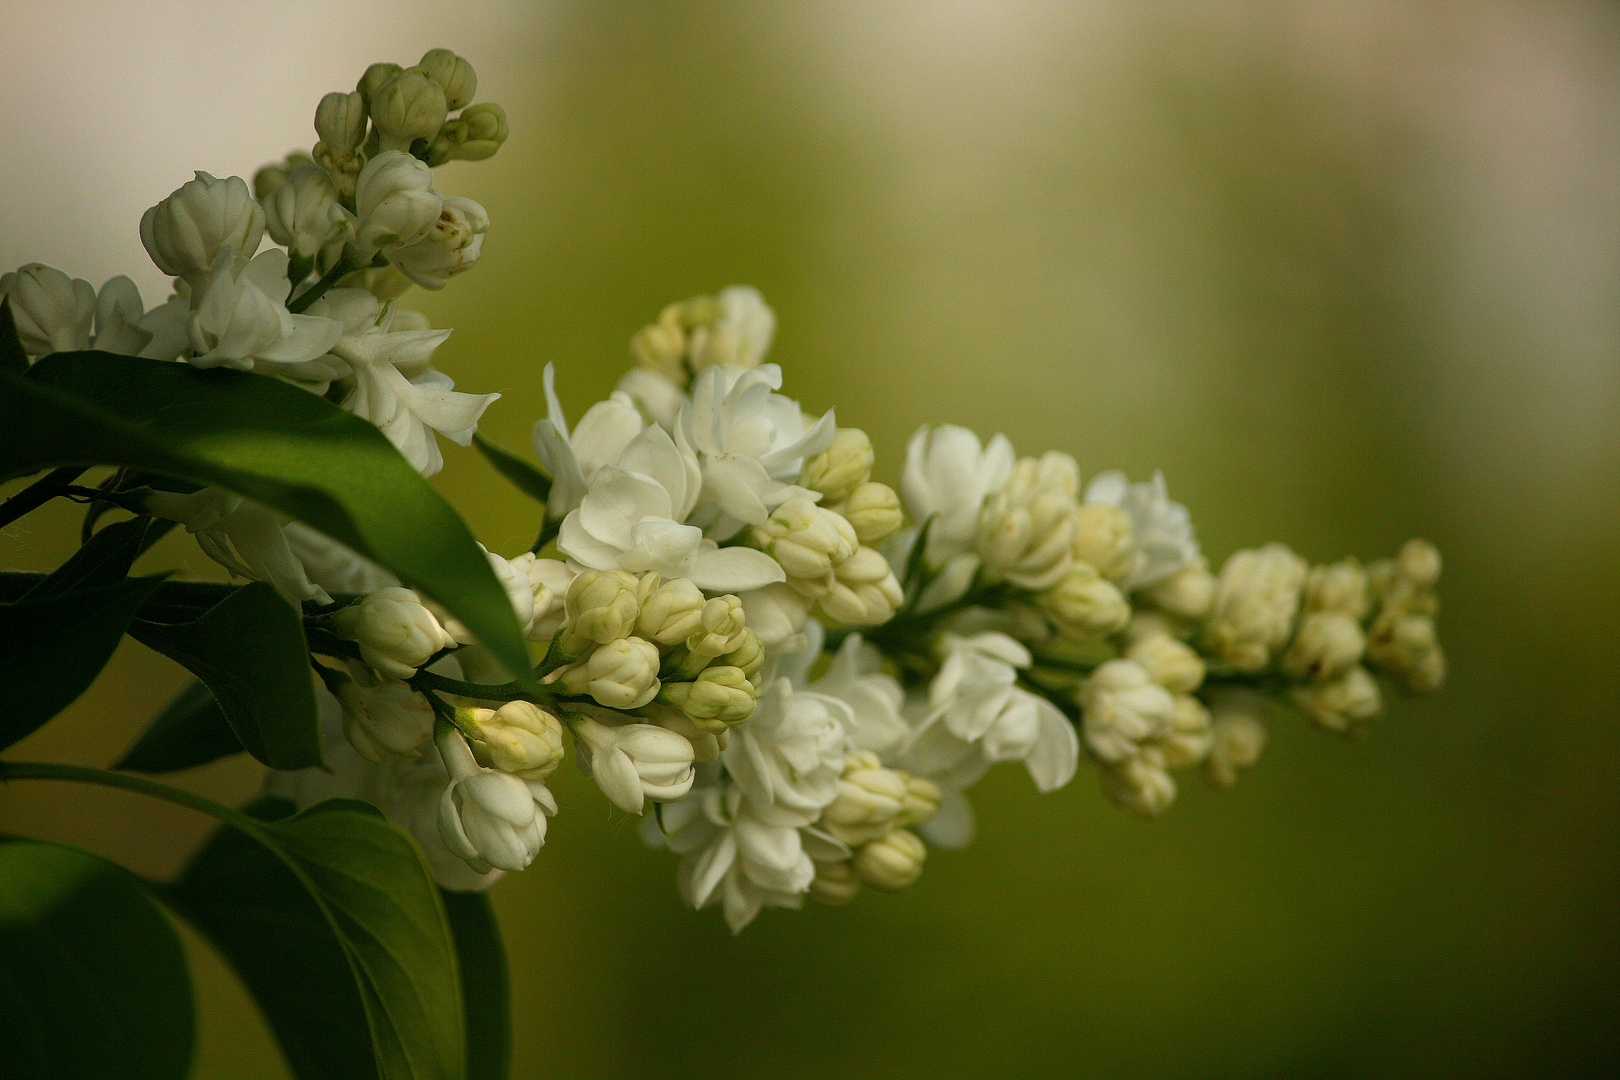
661,346
891,862
835,883
843,466
1255,603
1084,606
1419,563
520,737
749,656
1327,645
1172,664
601,605
864,590
1340,587
808,540
395,631
373,80
1236,739
706,745
922,801
869,803
1103,538
340,121
720,629
1027,528
719,697
622,674
408,107
384,717
475,135
1189,737
873,511
671,611
1140,783
1345,704
451,72
1187,594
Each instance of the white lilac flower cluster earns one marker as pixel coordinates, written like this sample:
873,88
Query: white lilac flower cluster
799,668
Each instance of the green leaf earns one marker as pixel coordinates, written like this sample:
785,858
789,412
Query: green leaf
191,731
55,647
249,650
283,447
12,356
333,921
527,478
93,979
484,987
104,559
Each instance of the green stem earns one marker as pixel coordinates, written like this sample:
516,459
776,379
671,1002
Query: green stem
321,286
427,680
50,770
41,491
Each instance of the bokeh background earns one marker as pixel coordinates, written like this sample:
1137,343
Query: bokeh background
1346,270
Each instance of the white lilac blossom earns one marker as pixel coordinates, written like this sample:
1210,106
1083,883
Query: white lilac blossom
727,610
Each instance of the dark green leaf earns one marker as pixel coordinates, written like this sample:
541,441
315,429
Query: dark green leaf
250,651
484,988
288,449
12,357
191,731
93,980
55,647
104,559
527,478
333,921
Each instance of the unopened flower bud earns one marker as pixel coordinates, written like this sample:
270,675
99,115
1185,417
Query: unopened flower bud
490,818
450,246
635,762
601,605
869,803
475,135
1340,587
1344,704
1140,783
1027,528
1255,603
395,202
271,176
340,121
185,232
1104,539
1122,707
718,698
1419,563
453,74
720,628
1187,594
1084,606
376,76
1327,645
396,633
706,745
891,862
922,801
1170,663
748,657
548,580
1189,736
864,590
839,469
304,214
623,674
671,611
408,107
808,540
873,511
1236,739
520,737
738,334
384,718
835,883
52,312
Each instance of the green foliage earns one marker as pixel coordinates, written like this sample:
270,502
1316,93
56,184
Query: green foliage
527,478
485,990
93,979
104,559
249,650
190,731
56,646
333,921
290,450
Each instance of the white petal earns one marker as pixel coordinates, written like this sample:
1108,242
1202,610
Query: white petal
734,570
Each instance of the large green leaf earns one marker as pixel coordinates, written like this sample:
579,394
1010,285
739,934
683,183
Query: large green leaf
52,649
190,731
93,980
333,921
104,559
484,985
249,650
261,438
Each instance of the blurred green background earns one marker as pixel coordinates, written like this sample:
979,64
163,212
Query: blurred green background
1346,271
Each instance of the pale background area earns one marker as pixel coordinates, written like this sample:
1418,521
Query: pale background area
1346,271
